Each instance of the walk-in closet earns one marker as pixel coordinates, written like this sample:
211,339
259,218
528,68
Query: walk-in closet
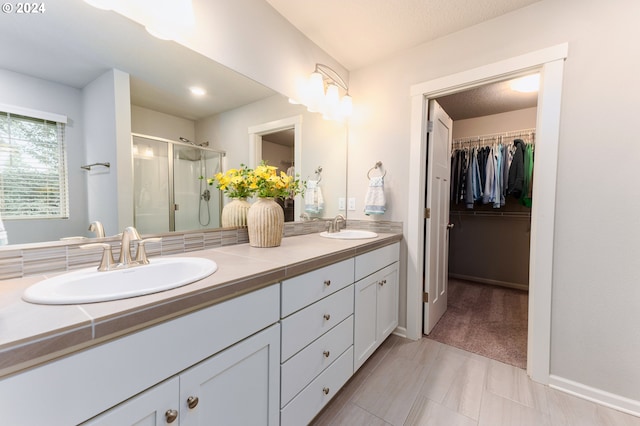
492,157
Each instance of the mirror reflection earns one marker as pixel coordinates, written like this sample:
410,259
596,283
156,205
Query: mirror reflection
154,179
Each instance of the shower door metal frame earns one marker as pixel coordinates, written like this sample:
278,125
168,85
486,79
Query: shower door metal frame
170,187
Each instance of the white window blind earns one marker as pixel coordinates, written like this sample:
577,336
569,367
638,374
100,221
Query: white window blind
33,172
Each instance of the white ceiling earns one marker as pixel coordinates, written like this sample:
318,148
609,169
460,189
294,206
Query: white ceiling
360,32
76,43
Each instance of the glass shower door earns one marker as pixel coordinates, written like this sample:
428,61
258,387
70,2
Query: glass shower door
197,203
150,185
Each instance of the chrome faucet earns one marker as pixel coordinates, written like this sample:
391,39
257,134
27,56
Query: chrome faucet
125,260
334,224
128,235
97,227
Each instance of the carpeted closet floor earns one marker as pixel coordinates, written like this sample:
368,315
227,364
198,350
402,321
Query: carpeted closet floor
487,320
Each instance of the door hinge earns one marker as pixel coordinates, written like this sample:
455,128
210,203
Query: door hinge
427,213
429,126
425,297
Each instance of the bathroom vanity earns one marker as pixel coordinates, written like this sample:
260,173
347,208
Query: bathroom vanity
267,339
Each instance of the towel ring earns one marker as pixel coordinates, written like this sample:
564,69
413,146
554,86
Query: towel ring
318,174
377,166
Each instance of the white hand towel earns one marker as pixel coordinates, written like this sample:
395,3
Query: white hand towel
374,202
313,201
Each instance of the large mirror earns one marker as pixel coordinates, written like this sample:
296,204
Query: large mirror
80,62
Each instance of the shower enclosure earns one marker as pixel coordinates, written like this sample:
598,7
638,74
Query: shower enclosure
170,185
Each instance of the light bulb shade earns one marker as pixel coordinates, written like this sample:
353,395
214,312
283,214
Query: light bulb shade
315,94
346,106
332,100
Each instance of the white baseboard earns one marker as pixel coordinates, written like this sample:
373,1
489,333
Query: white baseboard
400,331
607,399
517,286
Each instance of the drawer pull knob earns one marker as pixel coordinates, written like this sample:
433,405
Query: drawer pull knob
327,317
327,282
325,391
326,354
171,416
192,402
383,282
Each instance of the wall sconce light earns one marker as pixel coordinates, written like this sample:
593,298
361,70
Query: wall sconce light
321,93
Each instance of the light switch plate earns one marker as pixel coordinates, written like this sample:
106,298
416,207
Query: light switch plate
352,203
342,203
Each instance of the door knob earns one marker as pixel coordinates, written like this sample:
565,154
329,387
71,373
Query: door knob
192,402
171,416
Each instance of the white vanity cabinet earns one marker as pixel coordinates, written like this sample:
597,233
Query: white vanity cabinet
317,340
376,300
234,387
238,340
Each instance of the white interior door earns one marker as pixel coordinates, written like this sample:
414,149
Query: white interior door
436,241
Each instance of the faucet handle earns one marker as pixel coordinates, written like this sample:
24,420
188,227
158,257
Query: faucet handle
107,262
141,253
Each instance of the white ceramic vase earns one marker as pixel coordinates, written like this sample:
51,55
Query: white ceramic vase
234,214
265,222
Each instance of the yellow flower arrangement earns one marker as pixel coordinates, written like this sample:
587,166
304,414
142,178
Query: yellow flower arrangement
263,182
233,182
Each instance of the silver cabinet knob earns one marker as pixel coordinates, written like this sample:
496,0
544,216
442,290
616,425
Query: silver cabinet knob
192,402
326,354
450,225
327,317
171,416
327,282
325,391
383,282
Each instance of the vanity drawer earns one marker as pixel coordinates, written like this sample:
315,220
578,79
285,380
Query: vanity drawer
368,263
301,369
305,326
304,407
305,289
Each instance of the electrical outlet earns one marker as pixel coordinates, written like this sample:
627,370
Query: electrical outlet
342,203
352,204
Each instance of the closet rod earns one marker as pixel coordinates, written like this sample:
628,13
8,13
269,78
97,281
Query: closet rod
511,134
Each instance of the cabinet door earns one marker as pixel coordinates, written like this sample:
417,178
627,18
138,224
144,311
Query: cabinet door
376,312
365,333
239,386
387,303
154,407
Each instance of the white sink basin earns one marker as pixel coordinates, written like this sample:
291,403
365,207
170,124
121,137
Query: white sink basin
89,285
349,234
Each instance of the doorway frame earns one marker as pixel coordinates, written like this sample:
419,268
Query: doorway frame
255,143
550,63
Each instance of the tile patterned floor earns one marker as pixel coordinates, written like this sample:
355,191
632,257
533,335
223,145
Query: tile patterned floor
428,383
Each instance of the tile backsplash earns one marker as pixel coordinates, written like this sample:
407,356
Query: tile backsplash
61,256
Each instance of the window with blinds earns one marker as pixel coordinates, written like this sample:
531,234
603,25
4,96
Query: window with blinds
33,173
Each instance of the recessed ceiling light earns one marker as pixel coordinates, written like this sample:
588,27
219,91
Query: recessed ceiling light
198,91
527,84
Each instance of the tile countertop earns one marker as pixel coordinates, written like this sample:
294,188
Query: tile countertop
32,334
